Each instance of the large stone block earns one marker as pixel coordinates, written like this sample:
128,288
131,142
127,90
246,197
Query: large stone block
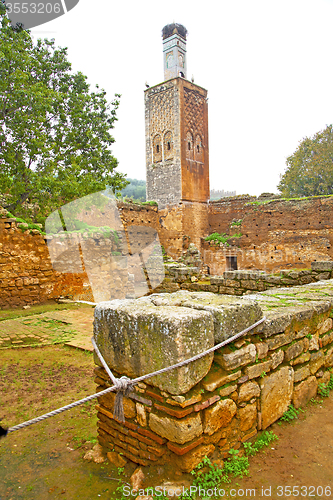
219,415
176,430
304,391
231,314
136,338
276,393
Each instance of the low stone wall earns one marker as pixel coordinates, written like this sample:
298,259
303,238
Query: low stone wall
181,277
222,400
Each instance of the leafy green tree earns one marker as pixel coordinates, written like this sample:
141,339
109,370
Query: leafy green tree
136,189
54,132
310,169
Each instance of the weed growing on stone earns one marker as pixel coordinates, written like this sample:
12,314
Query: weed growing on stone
290,414
262,441
324,389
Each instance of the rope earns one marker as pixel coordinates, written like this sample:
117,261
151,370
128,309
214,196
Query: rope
125,383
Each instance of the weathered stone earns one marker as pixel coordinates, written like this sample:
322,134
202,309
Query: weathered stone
304,391
225,391
262,349
231,314
136,338
294,350
276,392
276,322
324,378
329,358
137,479
116,459
276,357
141,414
303,358
108,400
326,265
218,415
301,373
178,431
248,391
238,358
324,326
219,377
257,370
96,454
190,460
316,362
326,339
280,340
304,331
247,417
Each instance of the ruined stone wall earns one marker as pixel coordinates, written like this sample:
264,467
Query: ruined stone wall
26,273
216,404
275,234
182,277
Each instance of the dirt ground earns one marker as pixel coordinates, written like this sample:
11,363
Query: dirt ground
45,461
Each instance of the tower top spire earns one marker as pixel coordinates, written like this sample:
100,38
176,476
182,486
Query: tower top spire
174,50
174,28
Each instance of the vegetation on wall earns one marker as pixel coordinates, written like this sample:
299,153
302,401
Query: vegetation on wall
54,130
310,168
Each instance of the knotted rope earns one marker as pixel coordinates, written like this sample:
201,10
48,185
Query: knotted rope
125,386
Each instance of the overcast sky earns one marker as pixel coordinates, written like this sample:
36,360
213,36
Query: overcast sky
267,66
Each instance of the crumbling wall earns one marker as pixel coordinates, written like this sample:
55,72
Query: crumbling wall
216,404
275,234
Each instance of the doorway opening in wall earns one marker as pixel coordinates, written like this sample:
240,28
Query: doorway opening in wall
231,263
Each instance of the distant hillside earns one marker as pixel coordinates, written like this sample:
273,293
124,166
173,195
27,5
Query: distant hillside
136,190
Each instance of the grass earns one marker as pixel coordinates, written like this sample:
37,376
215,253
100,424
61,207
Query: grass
291,414
264,440
38,309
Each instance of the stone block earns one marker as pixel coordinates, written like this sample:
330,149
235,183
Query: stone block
294,350
225,391
262,349
219,377
303,358
219,415
247,417
326,339
316,362
238,358
280,340
248,390
301,373
136,338
324,326
231,315
276,393
276,357
178,431
257,370
190,460
326,265
305,391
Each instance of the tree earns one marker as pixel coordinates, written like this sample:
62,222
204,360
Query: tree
136,189
310,169
54,132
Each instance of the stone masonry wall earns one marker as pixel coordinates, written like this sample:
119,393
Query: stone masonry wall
181,277
216,404
275,234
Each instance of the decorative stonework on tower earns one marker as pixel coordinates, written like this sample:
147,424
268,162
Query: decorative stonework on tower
174,51
176,115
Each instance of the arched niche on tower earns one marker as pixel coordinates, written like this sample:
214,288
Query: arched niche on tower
198,149
168,146
157,149
189,146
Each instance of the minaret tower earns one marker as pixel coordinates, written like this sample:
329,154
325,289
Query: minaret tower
176,115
